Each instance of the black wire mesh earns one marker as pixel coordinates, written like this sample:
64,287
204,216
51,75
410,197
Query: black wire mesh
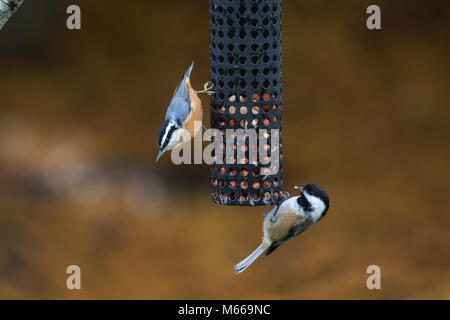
245,69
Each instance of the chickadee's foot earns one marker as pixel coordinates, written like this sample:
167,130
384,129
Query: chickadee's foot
274,218
207,88
267,210
204,128
285,195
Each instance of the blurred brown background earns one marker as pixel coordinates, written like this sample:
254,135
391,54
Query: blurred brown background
366,116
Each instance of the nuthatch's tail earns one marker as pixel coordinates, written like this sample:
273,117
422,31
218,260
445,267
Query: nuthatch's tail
188,72
182,91
244,264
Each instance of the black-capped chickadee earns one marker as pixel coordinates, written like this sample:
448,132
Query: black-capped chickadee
286,221
183,111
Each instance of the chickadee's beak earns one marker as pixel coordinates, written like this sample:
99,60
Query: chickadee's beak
160,153
299,189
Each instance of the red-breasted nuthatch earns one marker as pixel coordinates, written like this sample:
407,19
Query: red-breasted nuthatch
287,220
183,111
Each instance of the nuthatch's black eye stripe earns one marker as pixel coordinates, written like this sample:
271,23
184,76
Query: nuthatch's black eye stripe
167,134
161,134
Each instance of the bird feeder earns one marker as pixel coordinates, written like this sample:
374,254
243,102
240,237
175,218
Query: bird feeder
245,70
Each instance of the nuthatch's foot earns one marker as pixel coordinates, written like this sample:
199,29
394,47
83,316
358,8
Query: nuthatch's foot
207,88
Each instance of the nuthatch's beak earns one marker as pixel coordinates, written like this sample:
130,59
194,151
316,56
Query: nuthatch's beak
159,155
299,188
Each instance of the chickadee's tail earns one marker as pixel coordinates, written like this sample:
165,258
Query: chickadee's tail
244,264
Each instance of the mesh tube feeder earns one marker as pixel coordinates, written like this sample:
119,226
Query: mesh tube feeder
245,69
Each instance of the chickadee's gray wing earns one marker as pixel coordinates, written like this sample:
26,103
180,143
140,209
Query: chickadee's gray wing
293,232
180,106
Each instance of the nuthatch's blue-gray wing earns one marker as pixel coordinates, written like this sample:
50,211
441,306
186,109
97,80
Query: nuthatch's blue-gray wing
180,106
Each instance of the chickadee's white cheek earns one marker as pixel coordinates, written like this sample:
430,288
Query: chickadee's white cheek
318,207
